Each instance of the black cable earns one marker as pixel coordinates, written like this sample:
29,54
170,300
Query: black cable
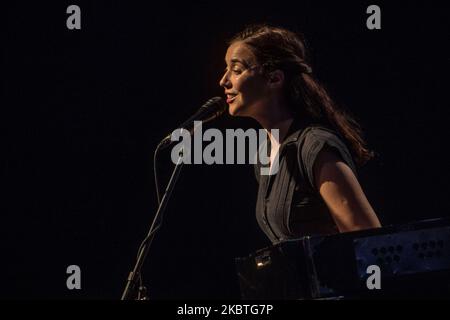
158,196
155,173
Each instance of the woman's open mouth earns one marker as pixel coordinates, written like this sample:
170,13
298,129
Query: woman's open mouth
230,98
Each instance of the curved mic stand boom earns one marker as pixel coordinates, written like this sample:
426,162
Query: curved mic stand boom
213,108
135,275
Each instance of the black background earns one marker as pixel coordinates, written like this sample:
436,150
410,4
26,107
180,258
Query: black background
84,109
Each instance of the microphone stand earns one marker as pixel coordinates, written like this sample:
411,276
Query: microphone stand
213,108
135,275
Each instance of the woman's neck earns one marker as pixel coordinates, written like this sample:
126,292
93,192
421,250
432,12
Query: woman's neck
281,119
282,125
283,128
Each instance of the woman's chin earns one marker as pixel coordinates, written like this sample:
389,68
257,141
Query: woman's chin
235,110
232,110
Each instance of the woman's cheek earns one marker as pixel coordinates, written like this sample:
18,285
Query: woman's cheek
238,84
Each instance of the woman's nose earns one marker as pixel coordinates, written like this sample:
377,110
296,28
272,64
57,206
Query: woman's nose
224,82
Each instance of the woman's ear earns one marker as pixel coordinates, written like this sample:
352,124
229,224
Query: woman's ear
276,79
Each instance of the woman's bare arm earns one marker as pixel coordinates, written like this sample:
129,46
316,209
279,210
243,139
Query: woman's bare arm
342,193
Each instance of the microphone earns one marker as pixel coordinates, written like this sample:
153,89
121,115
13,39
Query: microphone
212,109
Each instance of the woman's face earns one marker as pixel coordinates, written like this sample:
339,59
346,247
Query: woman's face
245,86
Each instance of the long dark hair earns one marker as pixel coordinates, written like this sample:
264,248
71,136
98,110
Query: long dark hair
278,48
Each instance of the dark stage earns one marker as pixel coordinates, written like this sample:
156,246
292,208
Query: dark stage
83,111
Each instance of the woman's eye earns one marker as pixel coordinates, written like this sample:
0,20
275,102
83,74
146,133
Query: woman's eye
237,71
